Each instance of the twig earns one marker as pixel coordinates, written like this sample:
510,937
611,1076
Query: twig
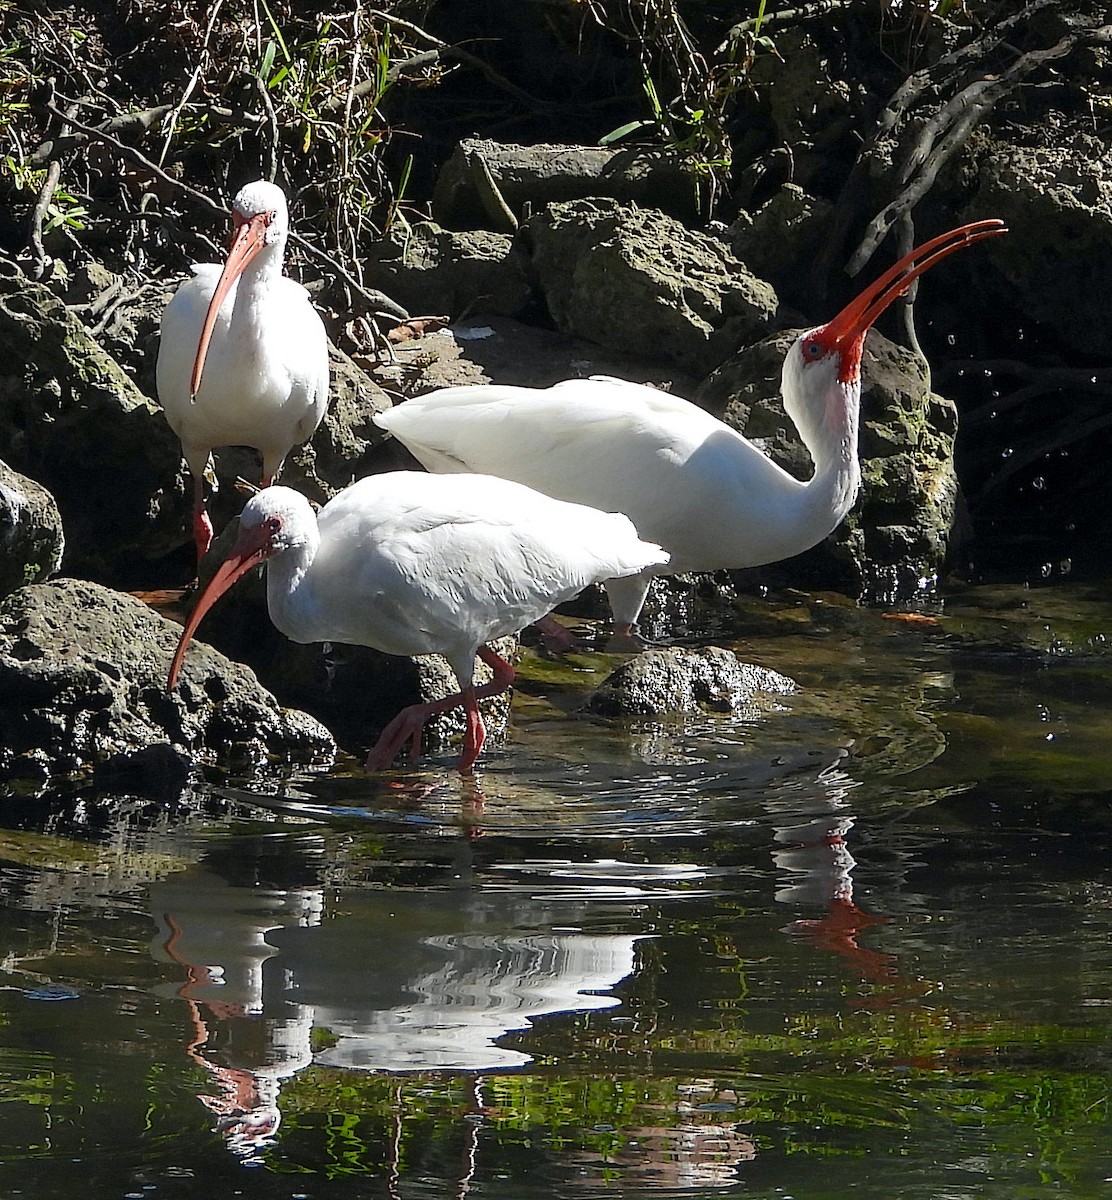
489,192
377,301
949,128
140,160
803,13
42,203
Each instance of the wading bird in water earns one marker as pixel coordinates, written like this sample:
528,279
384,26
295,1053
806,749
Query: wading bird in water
243,357
689,482
410,563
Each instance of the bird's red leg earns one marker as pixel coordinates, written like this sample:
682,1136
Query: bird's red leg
202,522
408,724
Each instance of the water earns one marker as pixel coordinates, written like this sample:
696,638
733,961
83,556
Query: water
860,946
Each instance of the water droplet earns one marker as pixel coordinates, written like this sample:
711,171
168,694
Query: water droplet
987,373
961,372
1092,379
951,340
1007,453
1039,483
995,393
1066,566
1046,570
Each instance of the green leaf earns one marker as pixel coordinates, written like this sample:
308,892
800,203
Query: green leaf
617,134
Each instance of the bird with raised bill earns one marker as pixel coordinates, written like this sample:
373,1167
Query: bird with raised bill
243,356
411,563
688,481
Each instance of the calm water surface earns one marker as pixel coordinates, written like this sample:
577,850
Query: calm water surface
860,945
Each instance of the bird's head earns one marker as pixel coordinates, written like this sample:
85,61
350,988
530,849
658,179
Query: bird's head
261,206
260,219
826,361
273,521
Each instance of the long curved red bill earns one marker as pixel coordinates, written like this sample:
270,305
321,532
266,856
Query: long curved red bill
249,239
251,548
859,314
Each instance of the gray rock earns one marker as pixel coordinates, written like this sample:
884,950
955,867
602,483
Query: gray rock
637,281
31,541
687,681
83,679
72,419
533,176
1057,202
895,540
433,271
778,240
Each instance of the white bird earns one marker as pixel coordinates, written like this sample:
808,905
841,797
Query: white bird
243,357
411,563
689,482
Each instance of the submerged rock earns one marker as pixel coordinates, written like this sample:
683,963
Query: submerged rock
83,680
687,681
31,541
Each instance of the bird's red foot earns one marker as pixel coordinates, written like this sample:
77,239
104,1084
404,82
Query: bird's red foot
557,639
405,727
625,641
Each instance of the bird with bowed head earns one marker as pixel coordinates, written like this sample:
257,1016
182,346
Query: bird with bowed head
688,481
411,563
243,355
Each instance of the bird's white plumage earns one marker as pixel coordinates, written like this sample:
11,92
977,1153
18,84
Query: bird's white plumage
687,481
410,563
265,379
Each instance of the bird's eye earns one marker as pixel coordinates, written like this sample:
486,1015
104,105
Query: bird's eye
272,525
812,350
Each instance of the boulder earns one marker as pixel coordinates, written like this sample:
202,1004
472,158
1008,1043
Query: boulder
71,419
31,541
780,238
687,681
83,680
1057,202
534,176
894,541
637,281
432,271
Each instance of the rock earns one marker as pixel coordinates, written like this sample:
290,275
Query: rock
637,281
71,419
1057,202
31,541
687,681
493,349
83,680
894,541
787,231
434,271
534,176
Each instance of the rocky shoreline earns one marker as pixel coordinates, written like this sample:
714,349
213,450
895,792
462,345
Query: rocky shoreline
549,262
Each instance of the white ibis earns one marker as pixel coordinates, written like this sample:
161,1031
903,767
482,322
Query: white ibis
689,482
411,563
243,358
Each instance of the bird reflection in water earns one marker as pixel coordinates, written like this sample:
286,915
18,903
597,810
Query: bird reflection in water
247,1052
814,856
